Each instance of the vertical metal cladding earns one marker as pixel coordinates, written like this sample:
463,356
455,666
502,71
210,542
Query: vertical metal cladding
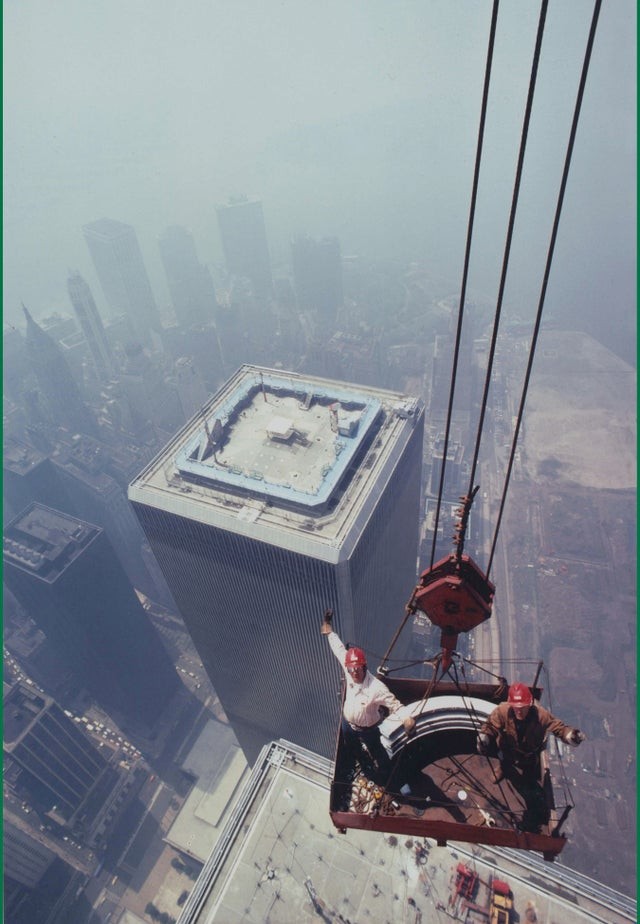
253,611
252,591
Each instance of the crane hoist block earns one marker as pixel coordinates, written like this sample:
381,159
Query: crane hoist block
455,595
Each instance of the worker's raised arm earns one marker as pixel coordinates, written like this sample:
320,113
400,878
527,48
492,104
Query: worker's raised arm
334,641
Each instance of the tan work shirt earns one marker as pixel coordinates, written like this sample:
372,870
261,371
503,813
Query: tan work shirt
522,740
362,700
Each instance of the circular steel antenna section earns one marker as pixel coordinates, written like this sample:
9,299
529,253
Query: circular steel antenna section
436,715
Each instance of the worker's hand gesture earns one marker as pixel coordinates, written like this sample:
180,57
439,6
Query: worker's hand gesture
576,737
409,725
326,626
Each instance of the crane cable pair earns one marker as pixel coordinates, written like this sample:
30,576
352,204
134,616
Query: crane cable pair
505,262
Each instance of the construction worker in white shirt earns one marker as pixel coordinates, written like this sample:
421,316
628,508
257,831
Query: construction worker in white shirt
367,702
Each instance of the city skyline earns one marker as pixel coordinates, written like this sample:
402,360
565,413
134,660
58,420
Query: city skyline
382,162
293,201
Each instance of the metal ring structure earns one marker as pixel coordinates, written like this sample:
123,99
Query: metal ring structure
439,714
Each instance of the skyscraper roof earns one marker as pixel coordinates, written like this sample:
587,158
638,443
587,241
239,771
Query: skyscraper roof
107,227
282,457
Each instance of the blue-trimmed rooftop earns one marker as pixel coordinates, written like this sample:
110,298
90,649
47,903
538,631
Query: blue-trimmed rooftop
280,437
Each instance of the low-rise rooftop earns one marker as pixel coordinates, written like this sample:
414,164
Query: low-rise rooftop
44,541
280,859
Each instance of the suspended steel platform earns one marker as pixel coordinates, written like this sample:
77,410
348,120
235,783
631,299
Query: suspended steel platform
456,793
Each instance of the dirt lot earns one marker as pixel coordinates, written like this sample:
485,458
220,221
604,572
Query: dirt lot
572,515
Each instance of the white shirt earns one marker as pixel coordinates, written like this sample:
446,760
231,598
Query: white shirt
362,700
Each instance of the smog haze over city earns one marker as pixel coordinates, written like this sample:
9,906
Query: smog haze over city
295,180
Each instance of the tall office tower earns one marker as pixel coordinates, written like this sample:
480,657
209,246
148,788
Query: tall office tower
58,389
117,258
285,496
202,344
91,325
190,285
188,385
15,364
66,575
244,241
29,475
355,355
58,763
453,481
25,859
317,273
96,496
151,398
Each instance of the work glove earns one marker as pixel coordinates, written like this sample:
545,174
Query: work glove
483,742
575,737
409,725
326,626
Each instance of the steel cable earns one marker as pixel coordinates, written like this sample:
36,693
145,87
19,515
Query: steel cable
465,272
547,271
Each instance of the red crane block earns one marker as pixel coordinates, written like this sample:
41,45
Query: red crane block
455,595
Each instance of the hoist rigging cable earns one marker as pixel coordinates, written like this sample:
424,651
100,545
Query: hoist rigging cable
547,271
507,247
474,193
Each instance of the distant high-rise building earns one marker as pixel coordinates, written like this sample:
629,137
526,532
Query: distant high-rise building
117,258
28,476
189,386
202,344
57,386
91,324
354,355
15,364
59,761
143,380
82,468
317,273
453,485
244,241
190,285
25,859
286,495
66,575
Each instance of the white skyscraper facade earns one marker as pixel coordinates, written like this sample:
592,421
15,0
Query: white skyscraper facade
118,261
286,495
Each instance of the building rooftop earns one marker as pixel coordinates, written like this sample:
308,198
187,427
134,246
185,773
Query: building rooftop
44,541
270,435
220,768
282,457
280,859
22,706
21,458
107,228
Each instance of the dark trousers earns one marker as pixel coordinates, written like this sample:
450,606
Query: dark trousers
376,762
523,775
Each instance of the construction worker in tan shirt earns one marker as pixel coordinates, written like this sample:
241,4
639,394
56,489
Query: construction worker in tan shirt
516,731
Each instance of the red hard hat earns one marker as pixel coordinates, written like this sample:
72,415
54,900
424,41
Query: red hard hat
520,695
355,657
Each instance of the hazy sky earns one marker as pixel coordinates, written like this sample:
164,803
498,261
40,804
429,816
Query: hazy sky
357,119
